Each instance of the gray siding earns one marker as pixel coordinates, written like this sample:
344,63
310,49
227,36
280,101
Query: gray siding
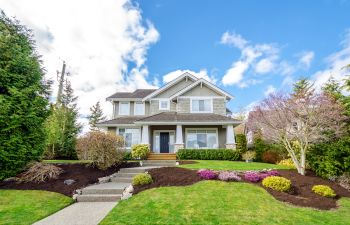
154,107
219,105
116,108
201,91
174,89
183,105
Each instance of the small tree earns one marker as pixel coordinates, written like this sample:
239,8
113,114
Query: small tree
306,118
95,116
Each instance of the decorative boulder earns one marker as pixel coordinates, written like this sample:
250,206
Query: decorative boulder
69,182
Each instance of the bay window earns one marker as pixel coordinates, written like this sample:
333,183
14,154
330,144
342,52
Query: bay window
201,105
131,136
201,138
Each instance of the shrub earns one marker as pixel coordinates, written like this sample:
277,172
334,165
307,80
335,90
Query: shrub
324,190
208,154
268,173
330,159
249,155
259,146
344,180
140,151
287,162
241,143
103,149
127,156
229,176
142,179
207,174
252,176
40,172
271,157
277,183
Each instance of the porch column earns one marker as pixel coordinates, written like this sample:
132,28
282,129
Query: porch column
179,143
230,137
144,136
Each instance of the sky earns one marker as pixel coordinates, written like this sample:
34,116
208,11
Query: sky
248,48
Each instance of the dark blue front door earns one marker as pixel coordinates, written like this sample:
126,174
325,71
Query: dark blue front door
164,142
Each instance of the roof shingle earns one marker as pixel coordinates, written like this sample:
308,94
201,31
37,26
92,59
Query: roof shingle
138,93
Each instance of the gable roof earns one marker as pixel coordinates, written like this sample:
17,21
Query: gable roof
208,84
138,93
170,84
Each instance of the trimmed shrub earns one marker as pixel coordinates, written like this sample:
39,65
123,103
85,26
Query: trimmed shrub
40,172
207,174
241,143
271,157
127,156
277,183
287,162
249,155
252,176
229,176
259,147
330,159
142,179
324,190
103,149
208,154
140,151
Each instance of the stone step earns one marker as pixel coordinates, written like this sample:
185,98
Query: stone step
122,179
160,164
123,174
159,161
99,198
105,188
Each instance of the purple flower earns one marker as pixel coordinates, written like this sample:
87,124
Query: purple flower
229,176
207,174
252,177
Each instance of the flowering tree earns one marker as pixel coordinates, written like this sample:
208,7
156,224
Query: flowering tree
303,118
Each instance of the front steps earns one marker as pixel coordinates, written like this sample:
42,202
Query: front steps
159,163
162,156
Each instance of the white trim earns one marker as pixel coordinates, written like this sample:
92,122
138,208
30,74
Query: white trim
188,123
128,127
144,108
213,97
160,105
124,99
202,98
128,108
116,125
170,84
202,128
154,137
201,81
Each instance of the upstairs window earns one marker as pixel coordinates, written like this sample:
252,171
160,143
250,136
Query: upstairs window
139,109
124,108
164,105
201,105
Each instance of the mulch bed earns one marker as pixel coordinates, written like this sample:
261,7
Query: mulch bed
81,173
300,195
169,176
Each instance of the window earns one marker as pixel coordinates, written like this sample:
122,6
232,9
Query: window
164,105
201,139
139,108
131,136
124,108
201,105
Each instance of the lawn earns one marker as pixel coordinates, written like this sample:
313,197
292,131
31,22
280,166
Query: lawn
215,202
231,165
26,207
66,161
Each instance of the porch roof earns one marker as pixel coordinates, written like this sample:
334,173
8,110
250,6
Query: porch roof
125,120
187,118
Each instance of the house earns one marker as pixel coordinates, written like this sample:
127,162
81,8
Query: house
185,113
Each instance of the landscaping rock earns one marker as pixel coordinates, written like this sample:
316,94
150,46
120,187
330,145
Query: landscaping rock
127,192
69,182
104,179
10,179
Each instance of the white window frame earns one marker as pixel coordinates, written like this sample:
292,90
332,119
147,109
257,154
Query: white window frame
163,100
154,140
138,128
120,103
202,98
193,128
143,110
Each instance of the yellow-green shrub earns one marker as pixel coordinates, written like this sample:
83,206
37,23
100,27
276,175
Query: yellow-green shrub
140,151
324,190
141,179
277,183
287,162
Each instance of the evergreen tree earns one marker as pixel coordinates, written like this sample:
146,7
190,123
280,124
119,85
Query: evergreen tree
23,98
303,88
95,116
333,88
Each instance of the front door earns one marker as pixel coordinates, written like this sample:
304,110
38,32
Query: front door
164,142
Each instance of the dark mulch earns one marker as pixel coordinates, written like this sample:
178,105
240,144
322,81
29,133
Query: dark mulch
182,162
81,173
302,194
169,176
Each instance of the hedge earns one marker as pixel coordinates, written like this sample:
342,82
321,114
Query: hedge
241,143
208,154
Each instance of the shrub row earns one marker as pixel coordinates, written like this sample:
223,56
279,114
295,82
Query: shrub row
208,154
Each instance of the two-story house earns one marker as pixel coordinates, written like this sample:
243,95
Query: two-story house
185,113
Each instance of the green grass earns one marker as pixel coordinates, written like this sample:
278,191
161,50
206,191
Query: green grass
215,202
26,207
66,161
231,165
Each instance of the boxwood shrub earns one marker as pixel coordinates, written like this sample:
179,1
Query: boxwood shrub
277,183
141,179
324,190
208,154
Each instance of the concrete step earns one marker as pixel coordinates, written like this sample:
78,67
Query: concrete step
99,198
132,170
160,164
123,174
122,179
105,188
159,161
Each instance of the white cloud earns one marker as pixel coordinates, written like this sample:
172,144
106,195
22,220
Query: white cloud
269,90
97,39
306,58
203,73
261,57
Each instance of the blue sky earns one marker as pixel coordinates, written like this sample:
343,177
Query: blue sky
190,34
